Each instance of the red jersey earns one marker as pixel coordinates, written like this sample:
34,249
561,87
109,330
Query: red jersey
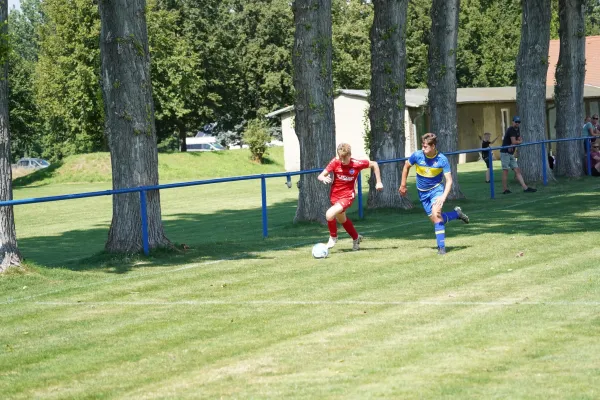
345,176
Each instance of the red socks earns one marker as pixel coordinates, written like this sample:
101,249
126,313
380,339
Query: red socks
349,227
332,225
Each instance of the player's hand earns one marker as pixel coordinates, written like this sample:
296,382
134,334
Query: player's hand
326,180
439,202
403,191
379,186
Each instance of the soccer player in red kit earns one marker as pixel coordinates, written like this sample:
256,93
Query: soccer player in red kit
345,170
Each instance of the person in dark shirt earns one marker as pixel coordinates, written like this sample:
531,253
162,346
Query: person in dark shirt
507,156
485,143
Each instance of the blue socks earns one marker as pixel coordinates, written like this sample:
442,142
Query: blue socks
440,233
449,216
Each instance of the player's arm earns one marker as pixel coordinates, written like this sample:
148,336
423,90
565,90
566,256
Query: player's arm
439,202
515,140
403,189
493,141
324,177
377,172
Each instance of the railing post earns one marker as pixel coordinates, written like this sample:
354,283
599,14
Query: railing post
491,168
360,200
263,187
544,162
144,214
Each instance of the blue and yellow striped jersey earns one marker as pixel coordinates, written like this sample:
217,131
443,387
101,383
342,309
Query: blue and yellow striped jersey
430,171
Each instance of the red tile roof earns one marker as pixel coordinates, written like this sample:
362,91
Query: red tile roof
592,58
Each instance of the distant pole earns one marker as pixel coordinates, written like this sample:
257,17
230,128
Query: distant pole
144,215
263,187
360,199
491,168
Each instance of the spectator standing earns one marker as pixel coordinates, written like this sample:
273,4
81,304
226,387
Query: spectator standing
507,156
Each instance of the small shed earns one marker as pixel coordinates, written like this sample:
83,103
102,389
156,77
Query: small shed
479,110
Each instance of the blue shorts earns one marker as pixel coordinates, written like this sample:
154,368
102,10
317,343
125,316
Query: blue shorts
428,198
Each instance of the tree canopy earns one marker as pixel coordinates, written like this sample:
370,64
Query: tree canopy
224,63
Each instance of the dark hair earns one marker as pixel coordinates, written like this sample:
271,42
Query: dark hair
429,138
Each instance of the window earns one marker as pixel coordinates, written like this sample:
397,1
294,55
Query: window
504,117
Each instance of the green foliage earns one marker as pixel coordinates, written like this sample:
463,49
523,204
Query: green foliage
26,123
223,61
67,88
256,136
263,38
488,43
351,58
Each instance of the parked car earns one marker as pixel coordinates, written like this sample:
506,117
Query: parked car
33,163
203,144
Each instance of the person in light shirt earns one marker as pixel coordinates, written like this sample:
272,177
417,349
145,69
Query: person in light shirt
345,170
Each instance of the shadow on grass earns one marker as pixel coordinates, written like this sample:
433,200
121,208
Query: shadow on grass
237,234
39,175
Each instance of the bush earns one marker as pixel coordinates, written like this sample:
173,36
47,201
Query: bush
256,136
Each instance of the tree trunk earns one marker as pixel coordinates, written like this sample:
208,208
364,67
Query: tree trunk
9,251
568,92
532,66
386,111
182,137
314,123
441,80
129,110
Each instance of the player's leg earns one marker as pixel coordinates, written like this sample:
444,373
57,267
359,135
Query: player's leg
505,160
348,225
434,214
331,217
487,169
521,180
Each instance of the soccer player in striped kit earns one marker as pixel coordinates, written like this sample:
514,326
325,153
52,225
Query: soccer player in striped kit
345,170
432,167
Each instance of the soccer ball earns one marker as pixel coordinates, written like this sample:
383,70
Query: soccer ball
320,250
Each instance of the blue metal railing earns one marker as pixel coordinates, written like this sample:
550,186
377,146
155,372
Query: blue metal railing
263,177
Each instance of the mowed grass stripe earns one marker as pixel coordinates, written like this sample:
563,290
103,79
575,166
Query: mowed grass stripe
509,312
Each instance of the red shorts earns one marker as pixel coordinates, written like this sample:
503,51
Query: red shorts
346,202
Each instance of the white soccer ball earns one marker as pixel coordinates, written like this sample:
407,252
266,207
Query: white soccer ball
320,250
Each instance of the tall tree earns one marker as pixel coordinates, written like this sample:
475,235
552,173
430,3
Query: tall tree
532,66
26,122
570,76
67,75
129,109
314,122
9,250
441,80
352,21
386,111
417,42
176,72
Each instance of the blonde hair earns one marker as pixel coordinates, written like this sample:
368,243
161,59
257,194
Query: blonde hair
343,150
487,134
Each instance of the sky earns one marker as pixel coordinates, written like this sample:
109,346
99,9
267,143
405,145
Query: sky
13,3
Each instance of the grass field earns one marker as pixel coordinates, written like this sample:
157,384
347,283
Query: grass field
511,312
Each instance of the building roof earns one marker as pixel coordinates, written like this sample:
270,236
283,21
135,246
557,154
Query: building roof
592,61
415,98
